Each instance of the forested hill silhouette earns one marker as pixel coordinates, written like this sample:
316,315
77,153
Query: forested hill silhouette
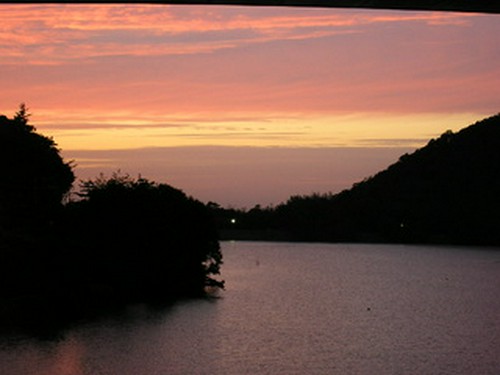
445,192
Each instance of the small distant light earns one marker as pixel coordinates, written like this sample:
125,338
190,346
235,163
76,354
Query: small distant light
233,221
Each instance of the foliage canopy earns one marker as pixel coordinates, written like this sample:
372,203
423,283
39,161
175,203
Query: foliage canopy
33,176
143,238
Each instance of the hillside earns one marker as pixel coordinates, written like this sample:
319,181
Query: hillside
445,192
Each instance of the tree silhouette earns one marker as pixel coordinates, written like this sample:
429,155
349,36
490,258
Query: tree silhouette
33,180
142,240
33,176
125,240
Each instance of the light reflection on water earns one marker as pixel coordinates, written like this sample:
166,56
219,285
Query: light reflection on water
300,309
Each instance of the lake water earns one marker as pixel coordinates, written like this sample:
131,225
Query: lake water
300,309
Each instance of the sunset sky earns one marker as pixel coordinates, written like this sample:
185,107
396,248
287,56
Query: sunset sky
245,105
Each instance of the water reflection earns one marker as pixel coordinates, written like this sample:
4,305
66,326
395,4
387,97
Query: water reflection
140,339
302,308
66,358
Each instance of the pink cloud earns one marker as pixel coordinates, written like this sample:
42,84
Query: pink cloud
230,62
245,76
55,34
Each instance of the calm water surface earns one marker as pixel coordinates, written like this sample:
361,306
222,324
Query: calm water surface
300,309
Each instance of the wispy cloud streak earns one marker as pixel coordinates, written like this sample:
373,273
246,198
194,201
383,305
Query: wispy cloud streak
58,34
122,75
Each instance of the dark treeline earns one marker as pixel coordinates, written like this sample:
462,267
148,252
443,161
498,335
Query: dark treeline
123,240
133,240
446,192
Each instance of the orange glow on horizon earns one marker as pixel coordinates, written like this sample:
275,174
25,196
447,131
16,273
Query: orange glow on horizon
369,130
